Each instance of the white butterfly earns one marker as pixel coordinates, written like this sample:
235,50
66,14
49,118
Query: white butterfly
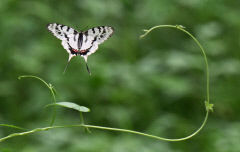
80,43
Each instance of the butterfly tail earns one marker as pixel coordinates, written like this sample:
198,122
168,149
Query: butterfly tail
65,68
85,58
69,59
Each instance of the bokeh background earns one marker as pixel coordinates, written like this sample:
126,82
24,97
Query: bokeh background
154,85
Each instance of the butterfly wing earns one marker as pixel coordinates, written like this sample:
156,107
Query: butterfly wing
62,32
95,36
68,35
100,33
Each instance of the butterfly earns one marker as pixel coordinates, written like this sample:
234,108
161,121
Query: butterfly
83,43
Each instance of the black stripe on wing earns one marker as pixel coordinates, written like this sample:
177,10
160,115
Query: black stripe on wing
99,33
62,32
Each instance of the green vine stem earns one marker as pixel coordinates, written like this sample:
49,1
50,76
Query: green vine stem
12,126
181,28
208,106
52,90
83,123
104,128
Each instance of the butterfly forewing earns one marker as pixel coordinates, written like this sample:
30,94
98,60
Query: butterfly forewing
95,36
62,32
100,33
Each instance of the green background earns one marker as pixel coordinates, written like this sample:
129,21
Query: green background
154,85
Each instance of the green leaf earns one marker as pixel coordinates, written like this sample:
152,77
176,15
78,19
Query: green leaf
71,105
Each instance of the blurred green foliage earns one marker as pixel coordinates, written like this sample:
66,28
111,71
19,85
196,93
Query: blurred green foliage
155,85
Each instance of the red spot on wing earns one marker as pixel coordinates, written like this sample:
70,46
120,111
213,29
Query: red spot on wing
81,51
74,50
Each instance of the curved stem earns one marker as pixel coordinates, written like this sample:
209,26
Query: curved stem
207,102
12,126
181,28
149,135
50,87
54,108
104,128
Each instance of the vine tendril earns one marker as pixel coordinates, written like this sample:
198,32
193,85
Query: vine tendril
52,90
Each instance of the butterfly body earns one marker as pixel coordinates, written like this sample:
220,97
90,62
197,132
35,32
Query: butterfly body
80,43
